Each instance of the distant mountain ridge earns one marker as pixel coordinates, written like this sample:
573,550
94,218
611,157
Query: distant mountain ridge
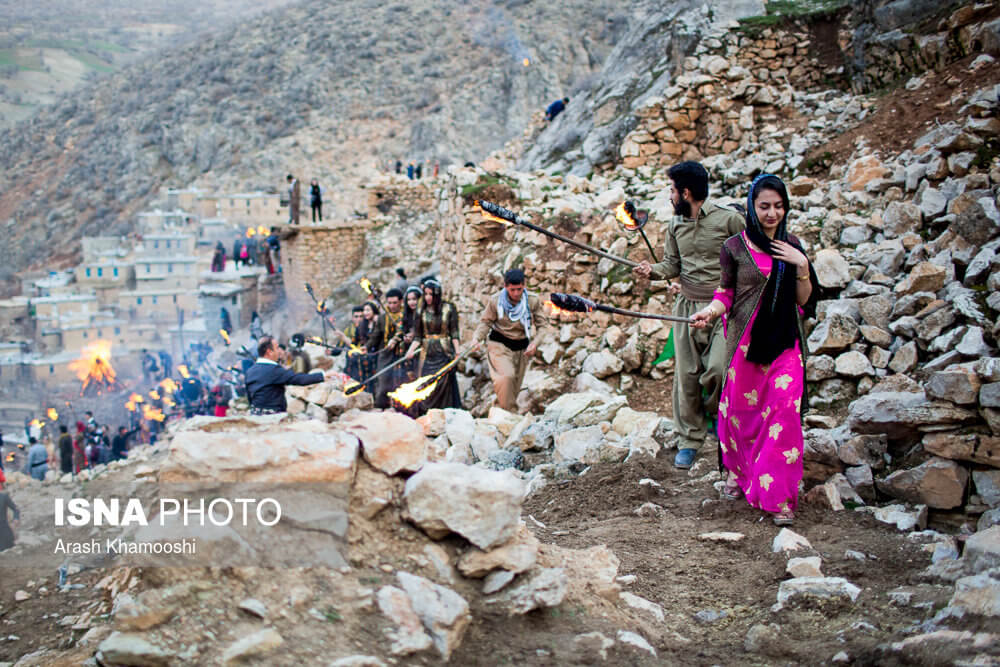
327,90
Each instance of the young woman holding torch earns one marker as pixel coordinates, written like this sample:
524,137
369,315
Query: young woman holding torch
766,281
436,337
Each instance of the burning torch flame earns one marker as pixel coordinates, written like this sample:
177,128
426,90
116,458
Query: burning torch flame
183,370
250,232
37,422
489,216
225,336
53,415
168,385
155,395
261,230
10,457
133,400
408,394
366,285
526,62
321,306
625,214
95,365
169,402
554,310
152,414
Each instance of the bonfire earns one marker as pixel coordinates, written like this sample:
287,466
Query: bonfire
94,368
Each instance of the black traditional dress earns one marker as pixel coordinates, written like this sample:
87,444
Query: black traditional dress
435,332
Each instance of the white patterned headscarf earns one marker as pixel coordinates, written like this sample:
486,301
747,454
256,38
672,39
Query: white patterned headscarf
519,312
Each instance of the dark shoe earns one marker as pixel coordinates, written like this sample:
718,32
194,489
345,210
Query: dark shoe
684,458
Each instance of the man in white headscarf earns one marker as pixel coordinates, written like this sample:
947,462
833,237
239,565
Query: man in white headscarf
512,325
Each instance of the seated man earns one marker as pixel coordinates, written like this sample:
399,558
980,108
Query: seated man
266,379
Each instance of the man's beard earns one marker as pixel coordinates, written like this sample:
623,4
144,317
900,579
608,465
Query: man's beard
683,208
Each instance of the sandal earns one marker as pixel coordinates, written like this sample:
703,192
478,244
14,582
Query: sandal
784,518
732,490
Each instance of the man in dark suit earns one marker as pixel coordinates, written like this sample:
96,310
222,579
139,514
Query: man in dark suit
266,379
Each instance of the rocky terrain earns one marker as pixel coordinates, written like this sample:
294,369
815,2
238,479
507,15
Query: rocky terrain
563,535
48,48
329,91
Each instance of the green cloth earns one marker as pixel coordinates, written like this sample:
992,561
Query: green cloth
668,349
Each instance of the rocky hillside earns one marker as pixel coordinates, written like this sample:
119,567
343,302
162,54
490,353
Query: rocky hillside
325,90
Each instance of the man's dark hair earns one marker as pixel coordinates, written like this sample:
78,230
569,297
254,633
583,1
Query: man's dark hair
401,273
264,345
357,309
394,293
89,413
32,441
690,176
121,429
63,429
514,277
289,177
565,100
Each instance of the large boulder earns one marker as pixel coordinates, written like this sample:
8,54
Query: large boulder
833,334
390,441
307,451
602,364
515,556
972,447
481,505
589,444
958,384
584,409
937,483
976,217
924,277
902,414
900,218
982,550
832,269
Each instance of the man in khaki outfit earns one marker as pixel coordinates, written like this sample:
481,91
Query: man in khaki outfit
513,319
693,241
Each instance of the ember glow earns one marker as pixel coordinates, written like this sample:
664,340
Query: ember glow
155,395
183,370
169,402
168,385
152,414
408,394
489,216
321,306
94,367
10,457
526,62
53,415
225,336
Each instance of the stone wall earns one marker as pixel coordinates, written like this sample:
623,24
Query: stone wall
396,198
323,256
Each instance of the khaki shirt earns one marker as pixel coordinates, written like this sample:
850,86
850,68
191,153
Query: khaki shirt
692,246
512,328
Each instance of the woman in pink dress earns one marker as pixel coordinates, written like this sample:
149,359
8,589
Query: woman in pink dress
766,280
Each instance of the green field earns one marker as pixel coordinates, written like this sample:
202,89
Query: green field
31,62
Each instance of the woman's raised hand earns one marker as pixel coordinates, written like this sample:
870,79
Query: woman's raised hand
786,252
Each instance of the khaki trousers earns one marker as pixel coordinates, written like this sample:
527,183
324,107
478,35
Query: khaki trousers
507,369
699,364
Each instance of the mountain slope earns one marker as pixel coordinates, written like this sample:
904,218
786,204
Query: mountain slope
322,89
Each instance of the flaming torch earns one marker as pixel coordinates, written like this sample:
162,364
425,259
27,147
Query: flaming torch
505,216
152,414
52,414
94,367
225,336
355,388
261,230
183,370
412,392
250,232
578,304
133,402
168,385
633,220
366,285
155,395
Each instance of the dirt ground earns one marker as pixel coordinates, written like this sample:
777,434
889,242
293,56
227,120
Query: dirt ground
734,584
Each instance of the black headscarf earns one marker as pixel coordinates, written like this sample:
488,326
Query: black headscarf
776,328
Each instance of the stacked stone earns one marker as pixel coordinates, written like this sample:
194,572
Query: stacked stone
399,199
323,256
897,54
